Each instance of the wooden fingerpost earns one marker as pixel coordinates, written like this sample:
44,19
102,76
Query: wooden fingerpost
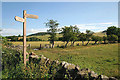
24,36
25,15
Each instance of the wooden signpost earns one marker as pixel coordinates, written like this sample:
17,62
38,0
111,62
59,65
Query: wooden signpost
25,15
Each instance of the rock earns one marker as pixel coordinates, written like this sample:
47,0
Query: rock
77,67
103,77
84,72
57,62
112,78
32,53
87,70
43,59
53,62
34,56
27,53
66,65
35,49
63,63
69,66
93,75
46,60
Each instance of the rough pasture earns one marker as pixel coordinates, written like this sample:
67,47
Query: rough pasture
103,58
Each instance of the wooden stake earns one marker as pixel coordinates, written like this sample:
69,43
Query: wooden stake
24,36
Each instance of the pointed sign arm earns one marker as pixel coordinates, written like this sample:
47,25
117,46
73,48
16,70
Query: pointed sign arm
19,19
31,16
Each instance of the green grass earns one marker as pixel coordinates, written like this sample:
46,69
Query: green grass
103,58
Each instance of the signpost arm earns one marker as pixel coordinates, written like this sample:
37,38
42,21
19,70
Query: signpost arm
24,36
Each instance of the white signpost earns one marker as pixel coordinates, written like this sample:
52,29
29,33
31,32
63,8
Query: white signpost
25,15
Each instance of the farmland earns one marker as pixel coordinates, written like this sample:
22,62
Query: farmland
102,58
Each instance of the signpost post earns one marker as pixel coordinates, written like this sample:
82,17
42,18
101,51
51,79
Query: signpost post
25,15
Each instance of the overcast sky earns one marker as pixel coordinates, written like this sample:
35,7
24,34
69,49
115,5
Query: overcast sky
95,16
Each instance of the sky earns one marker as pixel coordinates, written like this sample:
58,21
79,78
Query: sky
94,16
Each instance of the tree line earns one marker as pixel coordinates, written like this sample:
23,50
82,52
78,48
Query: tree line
72,34
20,38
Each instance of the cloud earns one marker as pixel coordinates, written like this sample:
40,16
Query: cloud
95,27
106,23
11,31
31,31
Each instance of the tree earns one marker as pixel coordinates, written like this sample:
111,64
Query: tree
53,25
104,39
67,34
19,35
82,37
118,35
112,38
88,35
13,38
100,40
75,33
96,39
112,30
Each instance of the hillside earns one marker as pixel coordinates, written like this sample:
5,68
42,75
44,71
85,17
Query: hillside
42,35
39,34
101,34
45,35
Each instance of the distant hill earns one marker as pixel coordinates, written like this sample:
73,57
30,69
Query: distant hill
43,35
46,34
39,34
101,34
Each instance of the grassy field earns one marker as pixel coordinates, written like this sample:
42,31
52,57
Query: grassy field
36,44
103,58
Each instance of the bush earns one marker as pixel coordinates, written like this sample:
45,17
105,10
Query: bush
104,39
96,39
112,30
13,67
5,41
112,38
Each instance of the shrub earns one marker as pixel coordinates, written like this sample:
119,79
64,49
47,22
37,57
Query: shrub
112,38
104,39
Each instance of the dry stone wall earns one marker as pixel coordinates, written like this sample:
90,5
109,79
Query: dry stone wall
75,73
